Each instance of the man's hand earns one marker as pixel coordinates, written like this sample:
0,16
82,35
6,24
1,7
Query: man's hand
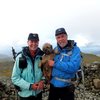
51,63
40,85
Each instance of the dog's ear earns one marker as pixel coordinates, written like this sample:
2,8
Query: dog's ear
43,48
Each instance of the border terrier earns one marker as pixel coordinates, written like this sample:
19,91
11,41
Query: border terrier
48,55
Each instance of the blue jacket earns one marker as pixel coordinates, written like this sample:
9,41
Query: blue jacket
29,75
66,64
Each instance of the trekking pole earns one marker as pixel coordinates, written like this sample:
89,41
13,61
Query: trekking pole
14,57
14,53
83,81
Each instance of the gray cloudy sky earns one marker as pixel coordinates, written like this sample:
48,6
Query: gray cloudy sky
80,18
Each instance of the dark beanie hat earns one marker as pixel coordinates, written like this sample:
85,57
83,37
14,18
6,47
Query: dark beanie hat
33,36
60,31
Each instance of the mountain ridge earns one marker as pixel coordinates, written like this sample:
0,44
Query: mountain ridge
87,57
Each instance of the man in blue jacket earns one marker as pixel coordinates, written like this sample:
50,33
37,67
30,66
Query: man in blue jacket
26,74
65,65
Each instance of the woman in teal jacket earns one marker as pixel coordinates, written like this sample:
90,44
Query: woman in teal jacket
66,63
26,73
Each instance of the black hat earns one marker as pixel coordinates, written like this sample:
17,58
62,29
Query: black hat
33,36
60,31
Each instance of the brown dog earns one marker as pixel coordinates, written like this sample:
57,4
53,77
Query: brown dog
48,55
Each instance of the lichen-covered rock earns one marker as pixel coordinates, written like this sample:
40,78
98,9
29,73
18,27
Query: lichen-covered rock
96,83
7,90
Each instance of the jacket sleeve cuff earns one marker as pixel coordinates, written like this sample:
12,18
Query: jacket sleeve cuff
30,88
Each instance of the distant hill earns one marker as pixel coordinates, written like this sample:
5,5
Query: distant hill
97,53
89,58
93,49
4,58
6,63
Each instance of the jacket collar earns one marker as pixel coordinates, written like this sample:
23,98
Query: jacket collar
26,52
68,46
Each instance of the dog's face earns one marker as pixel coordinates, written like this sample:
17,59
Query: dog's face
47,48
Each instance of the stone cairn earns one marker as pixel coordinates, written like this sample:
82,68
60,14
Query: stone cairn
7,90
90,90
87,90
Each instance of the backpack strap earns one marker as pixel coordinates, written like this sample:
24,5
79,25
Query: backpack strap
22,62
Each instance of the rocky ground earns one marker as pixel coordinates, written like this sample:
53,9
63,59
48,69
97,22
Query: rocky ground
88,89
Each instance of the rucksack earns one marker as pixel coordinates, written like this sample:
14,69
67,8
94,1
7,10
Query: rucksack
22,59
22,63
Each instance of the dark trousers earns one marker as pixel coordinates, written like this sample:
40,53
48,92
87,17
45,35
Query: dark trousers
38,97
65,93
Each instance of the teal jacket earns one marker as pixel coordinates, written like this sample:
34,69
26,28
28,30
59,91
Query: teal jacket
24,77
